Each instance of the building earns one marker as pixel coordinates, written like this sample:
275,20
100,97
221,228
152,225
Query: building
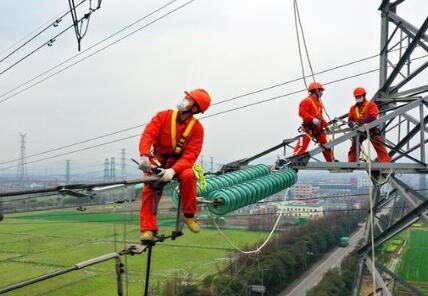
301,209
303,190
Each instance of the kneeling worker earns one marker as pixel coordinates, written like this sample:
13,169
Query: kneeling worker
361,113
175,138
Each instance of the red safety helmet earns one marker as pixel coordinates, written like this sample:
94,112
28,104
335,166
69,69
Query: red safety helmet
359,91
314,86
201,98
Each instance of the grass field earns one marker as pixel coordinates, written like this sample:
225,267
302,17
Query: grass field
37,243
414,265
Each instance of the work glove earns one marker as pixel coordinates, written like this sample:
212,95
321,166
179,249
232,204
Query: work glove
166,175
145,164
316,121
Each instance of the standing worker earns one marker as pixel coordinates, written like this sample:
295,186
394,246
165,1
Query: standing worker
361,113
314,124
172,142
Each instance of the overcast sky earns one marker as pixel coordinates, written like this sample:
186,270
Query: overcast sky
228,47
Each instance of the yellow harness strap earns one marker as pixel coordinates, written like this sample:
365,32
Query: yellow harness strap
319,111
357,112
179,146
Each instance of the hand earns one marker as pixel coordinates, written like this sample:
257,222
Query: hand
166,175
145,164
352,124
316,121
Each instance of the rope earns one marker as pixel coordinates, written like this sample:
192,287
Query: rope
298,44
369,163
298,23
297,13
264,243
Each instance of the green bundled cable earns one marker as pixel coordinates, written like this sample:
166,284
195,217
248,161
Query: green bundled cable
250,192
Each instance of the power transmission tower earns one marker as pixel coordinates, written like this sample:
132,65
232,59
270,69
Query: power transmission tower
123,164
106,170
403,102
22,166
112,169
67,172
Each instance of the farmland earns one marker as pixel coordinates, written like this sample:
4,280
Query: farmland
37,243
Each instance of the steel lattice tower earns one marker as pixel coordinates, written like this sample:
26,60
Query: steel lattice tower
22,166
106,170
403,123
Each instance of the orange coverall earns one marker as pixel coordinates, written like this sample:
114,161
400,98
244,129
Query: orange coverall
366,112
309,109
157,134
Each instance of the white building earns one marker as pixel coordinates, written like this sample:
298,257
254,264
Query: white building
296,209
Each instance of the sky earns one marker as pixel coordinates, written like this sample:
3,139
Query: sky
228,47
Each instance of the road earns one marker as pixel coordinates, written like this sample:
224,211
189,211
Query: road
314,275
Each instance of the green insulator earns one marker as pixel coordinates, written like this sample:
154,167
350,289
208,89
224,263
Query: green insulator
250,192
229,179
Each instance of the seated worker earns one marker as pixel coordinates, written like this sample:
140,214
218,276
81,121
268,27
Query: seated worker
361,113
173,141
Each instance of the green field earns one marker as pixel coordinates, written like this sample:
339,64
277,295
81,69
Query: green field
414,265
37,243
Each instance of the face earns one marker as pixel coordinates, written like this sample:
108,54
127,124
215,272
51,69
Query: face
319,93
359,99
189,105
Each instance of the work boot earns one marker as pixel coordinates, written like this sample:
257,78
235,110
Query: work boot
192,224
147,236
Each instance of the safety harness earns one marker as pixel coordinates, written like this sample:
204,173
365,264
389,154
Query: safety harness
319,110
177,147
357,111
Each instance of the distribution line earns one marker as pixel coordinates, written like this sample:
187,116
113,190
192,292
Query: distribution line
49,42
94,53
55,23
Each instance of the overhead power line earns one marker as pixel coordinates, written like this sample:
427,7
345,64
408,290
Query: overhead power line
91,47
214,104
203,117
58,18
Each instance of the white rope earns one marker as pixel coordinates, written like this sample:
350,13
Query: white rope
264,243
369,162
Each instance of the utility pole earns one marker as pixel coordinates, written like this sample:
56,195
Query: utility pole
112,169
123,164
202,161
212,164
22,167
106,170
67,172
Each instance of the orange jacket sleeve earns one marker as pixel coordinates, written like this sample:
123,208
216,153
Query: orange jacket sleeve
150,134
351,115
191,150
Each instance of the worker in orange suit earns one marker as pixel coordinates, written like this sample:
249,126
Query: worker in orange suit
314,124
361,113
173,141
